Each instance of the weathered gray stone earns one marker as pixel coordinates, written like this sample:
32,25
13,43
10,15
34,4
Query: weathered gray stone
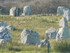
63,32
14,11
10,27
4,11
43,43
30,37
5,35
51,33
63,22
67,14
27,10
1,10
3,24
60,10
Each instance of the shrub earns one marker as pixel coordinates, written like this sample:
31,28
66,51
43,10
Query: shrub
62,46
14,49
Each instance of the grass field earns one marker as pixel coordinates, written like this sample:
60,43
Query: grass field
38,23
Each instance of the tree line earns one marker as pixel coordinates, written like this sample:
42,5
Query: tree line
39,6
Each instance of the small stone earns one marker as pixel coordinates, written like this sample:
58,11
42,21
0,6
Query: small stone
63,32
51,33
43,43
63,22
10,27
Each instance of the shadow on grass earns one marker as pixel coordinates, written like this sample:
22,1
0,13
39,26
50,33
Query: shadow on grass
15,49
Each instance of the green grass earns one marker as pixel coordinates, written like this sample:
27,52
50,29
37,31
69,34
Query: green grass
38,23
63,46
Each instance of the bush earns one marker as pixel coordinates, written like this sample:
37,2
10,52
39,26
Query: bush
62,46
14,49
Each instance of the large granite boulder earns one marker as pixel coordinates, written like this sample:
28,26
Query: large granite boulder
3,24
5,35
27,10
63,32
30,37
51,33
14,11
67,14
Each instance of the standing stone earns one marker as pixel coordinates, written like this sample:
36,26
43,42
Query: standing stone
30,37
63,32
4,11
27,10
60,10
5,35
51,33
12,11
1,11
43,43
15,11
67,14
63,22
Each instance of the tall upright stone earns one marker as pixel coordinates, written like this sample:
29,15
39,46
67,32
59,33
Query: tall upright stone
14,11
30,37
27,10
63,32
1,11
43,43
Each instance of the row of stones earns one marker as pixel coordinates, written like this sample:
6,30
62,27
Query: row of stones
14,11
32,37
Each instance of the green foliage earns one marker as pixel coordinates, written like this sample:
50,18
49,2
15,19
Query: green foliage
62,46
38,6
